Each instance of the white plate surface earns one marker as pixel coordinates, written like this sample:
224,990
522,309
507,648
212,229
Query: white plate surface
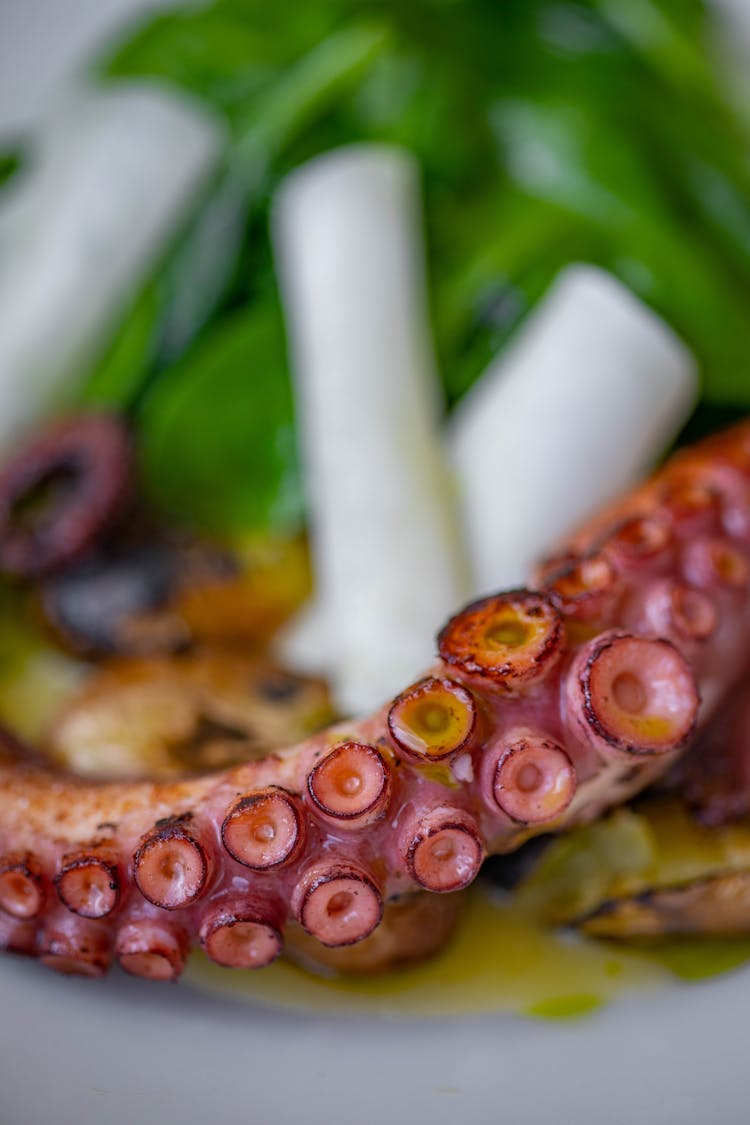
122,1051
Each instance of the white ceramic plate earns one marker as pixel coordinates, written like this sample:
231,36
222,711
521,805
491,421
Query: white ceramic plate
123,1051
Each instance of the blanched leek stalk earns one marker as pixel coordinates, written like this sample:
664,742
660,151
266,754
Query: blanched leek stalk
582,402
387,560
110,183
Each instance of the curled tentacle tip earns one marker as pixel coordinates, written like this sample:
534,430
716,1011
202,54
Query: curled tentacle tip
633,695
61,491
351,785
511,640
432,720
264,830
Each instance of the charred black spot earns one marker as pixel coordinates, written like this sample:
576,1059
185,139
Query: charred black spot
174,821
214,744
278,689
507,871
95,606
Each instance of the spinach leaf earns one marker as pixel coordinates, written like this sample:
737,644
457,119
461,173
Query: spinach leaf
10,162
217,431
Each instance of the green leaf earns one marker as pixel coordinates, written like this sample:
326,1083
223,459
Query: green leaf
606,118
10,162
118,377
205,262
217,430
209,52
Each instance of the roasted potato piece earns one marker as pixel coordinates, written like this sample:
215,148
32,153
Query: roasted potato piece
167,716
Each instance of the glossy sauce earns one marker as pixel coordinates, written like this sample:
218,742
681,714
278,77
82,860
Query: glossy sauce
498,961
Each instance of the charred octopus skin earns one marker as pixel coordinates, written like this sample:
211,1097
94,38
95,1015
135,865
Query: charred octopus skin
545,707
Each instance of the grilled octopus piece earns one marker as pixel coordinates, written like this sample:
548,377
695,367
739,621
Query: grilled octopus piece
545,707
165,717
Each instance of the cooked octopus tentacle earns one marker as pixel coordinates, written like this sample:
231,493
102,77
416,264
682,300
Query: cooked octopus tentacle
544,708
714,777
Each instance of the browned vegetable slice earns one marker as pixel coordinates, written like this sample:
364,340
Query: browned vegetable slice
717,906
649,872
167,716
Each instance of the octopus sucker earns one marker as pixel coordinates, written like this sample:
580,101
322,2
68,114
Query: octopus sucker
239,933
529,777
444,850
171,865
88,884
433,720
264,830
151,946
75,946
544,708
509,641
17,936
351,786
632,695
21,887
337,903
677,610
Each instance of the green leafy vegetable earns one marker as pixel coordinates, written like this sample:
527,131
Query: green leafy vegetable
217,434
10,162
202,271
549,131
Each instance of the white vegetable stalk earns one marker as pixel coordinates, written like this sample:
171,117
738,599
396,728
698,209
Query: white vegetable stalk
386,555
585,399
109,184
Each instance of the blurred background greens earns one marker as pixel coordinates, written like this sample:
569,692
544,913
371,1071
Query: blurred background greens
547,132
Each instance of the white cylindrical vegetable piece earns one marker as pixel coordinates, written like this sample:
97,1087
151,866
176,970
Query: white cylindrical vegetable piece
304,643
106,189
582,402
347,230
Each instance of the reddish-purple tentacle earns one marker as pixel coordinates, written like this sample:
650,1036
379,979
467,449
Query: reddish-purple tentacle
544,708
